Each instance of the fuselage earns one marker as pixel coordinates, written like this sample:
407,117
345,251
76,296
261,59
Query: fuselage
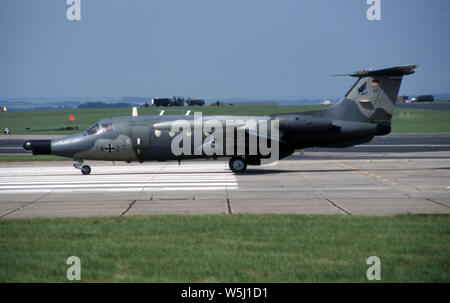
128,138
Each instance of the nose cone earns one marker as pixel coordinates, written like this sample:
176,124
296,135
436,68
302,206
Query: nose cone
70,145
39,147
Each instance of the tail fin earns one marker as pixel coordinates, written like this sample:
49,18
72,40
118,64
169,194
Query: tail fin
372,98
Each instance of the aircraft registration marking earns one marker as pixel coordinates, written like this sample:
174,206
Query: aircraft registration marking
111,148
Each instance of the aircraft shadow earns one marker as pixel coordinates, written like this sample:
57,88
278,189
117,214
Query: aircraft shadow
256,171
252,171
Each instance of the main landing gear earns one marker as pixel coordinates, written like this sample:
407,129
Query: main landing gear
85,169
237,164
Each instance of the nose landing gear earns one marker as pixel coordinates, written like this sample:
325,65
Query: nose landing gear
85,169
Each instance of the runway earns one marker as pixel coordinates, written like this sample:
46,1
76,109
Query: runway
393,145
13,144
43,179
297,186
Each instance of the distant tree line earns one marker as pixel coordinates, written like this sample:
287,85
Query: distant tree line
99,104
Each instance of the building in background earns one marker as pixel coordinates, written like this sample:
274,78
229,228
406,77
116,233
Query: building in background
192,102
403,99
174,101
425,98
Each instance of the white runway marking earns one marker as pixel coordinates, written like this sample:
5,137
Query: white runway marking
160,177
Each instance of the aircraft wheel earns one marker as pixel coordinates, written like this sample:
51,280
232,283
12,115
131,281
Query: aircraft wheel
237,164
86,170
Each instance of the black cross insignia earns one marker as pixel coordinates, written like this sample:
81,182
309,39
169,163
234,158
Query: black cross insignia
109,148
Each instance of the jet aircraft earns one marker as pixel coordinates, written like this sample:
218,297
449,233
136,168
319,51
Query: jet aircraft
364,112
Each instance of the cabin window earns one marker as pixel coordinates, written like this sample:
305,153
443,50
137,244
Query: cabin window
94,129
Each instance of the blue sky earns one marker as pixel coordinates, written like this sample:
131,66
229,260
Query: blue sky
217,49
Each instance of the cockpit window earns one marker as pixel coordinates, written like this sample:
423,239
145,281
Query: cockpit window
107,127
94,129
103,127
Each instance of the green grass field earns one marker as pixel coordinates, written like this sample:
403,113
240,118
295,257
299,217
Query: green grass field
404,120
226,248
420,121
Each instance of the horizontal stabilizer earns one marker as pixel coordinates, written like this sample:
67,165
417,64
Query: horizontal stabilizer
392,71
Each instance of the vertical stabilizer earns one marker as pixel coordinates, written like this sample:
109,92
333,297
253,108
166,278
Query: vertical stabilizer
372,98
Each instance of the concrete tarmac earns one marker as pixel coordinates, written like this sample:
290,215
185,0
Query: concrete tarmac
334,186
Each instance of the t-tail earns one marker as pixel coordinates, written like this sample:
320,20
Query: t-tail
372,98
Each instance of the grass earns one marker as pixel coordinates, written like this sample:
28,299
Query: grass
226,248
404,120
420,121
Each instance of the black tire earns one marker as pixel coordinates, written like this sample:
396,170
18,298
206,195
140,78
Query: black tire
237,164
86,170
